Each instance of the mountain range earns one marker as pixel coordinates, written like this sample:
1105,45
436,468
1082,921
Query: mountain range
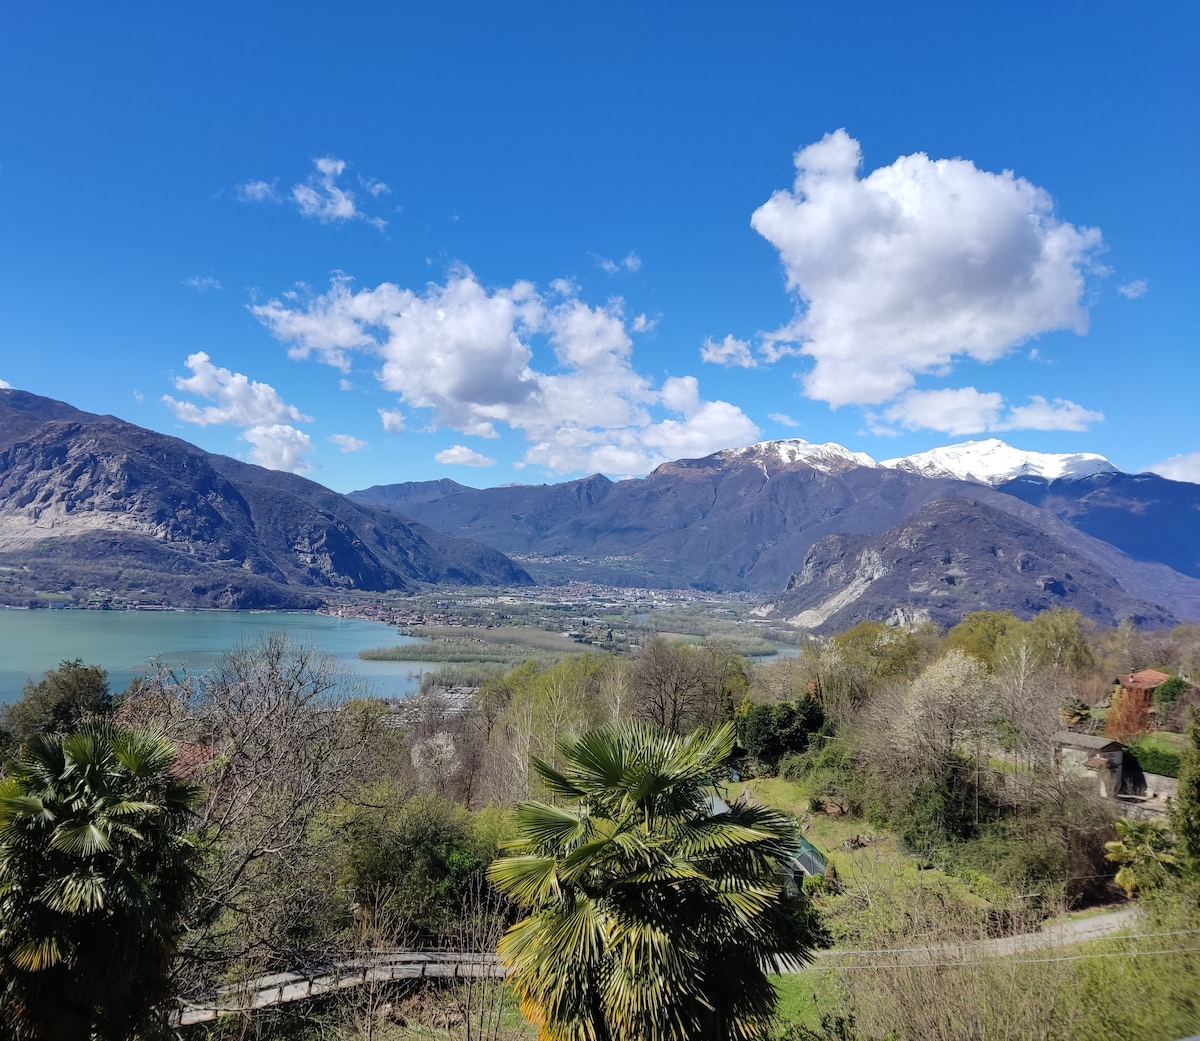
770,518
825,535
92,502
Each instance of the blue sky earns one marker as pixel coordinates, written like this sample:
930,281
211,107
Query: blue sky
524,242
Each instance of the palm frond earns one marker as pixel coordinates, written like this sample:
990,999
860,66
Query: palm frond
529,880
83,839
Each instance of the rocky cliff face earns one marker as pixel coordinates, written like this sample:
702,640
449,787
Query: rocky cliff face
93,500
950,557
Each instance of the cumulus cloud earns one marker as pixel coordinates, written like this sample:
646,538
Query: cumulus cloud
466,353
1132,290
322,198
265,417
202,282
965,410
279,446
642,324
347,442
730,352
915,265
392,420
1041,414
256,191
461,455
783,419
1179,468
5,385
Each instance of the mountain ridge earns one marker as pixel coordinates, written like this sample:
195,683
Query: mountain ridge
92,498
745,519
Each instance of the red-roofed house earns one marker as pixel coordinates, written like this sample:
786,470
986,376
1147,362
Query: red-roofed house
1143,682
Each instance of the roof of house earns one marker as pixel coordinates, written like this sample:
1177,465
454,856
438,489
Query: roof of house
1088,741
1146,679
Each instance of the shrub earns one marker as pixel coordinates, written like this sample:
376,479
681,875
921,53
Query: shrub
768,732
1169,691
1154,759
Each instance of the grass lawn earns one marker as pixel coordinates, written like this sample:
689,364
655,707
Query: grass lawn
1165,740
804,995
878,879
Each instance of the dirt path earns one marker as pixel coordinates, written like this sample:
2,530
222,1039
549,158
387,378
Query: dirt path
1058,933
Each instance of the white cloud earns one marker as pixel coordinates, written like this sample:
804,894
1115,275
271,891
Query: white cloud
783,419
1041,414
347,442
392,420
201,282
915,265
345,384
278,446
323,199
240,401
374,186
730,351
965,410
1132,290
642,324
5,385
461,455
1179,468
960,411
256,191
630,262
467,354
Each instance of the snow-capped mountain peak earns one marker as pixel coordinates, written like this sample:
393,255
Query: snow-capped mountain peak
994,462
829,457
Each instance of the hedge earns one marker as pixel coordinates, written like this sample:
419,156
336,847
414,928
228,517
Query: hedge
1155,760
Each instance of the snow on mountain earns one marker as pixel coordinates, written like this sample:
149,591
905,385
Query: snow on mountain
828,458
994,462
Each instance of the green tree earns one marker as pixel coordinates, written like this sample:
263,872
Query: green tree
419,859
95,873
978,632
1168,692
655,911
1056,637
769,732
1184,808
58,703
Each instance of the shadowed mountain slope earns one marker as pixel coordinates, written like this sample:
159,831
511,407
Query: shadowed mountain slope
746,519
94,501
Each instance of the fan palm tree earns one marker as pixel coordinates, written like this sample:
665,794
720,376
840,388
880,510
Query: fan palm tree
95,872
654,910
1143,849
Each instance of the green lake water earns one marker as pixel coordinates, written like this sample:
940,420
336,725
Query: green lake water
124,642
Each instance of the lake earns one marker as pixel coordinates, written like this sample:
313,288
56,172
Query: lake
124,642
